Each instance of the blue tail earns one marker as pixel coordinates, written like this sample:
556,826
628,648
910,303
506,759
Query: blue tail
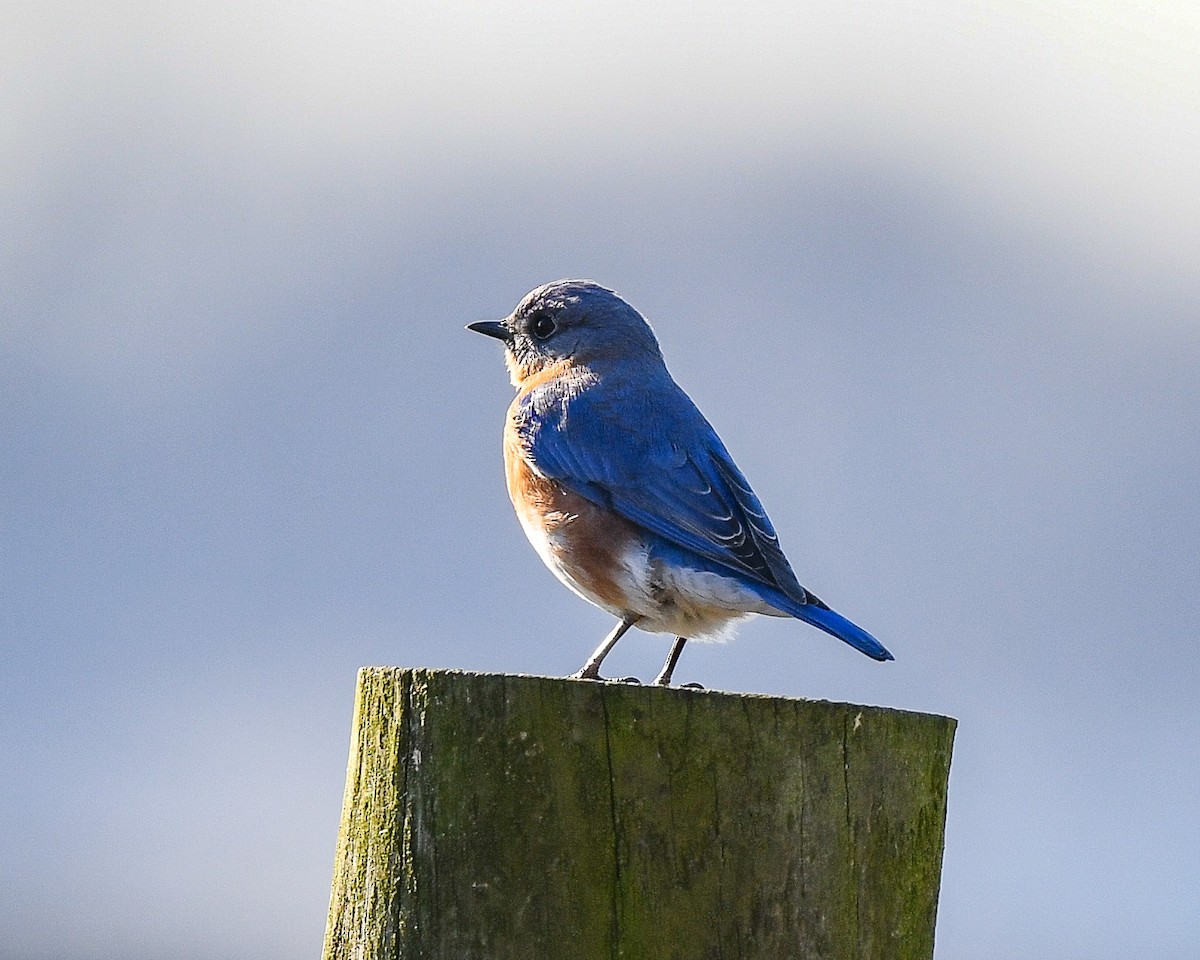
819,615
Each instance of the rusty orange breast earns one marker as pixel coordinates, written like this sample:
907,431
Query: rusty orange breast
585,545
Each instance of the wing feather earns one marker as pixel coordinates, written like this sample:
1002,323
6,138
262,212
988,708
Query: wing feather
672,476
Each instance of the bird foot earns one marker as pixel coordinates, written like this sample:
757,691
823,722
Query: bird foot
585,675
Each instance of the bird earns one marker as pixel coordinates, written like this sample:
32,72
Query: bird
624,488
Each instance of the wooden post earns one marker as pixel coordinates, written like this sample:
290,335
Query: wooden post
492,817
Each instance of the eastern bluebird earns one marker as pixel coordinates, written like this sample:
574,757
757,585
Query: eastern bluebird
624,488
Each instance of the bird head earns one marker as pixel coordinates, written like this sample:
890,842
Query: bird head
574,321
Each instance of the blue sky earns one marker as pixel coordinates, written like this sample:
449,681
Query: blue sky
930,270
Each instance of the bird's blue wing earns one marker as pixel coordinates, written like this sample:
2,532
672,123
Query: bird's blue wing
655,460
662,466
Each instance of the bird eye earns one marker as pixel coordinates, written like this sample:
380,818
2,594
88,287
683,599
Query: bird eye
542,326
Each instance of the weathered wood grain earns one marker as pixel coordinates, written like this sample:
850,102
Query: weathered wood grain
492,817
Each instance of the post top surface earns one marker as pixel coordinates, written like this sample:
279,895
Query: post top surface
432,674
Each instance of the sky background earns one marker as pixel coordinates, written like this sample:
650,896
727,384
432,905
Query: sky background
932,270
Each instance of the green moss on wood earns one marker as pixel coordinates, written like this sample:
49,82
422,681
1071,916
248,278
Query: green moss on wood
498,817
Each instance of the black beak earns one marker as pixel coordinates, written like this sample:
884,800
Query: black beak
492,328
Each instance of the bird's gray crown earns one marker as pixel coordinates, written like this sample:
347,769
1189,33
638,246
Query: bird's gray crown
577,320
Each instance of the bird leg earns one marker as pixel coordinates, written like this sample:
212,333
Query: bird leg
591,669
664,675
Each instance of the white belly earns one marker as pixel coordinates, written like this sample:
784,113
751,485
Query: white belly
680,601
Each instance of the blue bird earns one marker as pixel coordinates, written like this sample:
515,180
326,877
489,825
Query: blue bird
624,488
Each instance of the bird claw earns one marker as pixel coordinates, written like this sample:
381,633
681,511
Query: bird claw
583,675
